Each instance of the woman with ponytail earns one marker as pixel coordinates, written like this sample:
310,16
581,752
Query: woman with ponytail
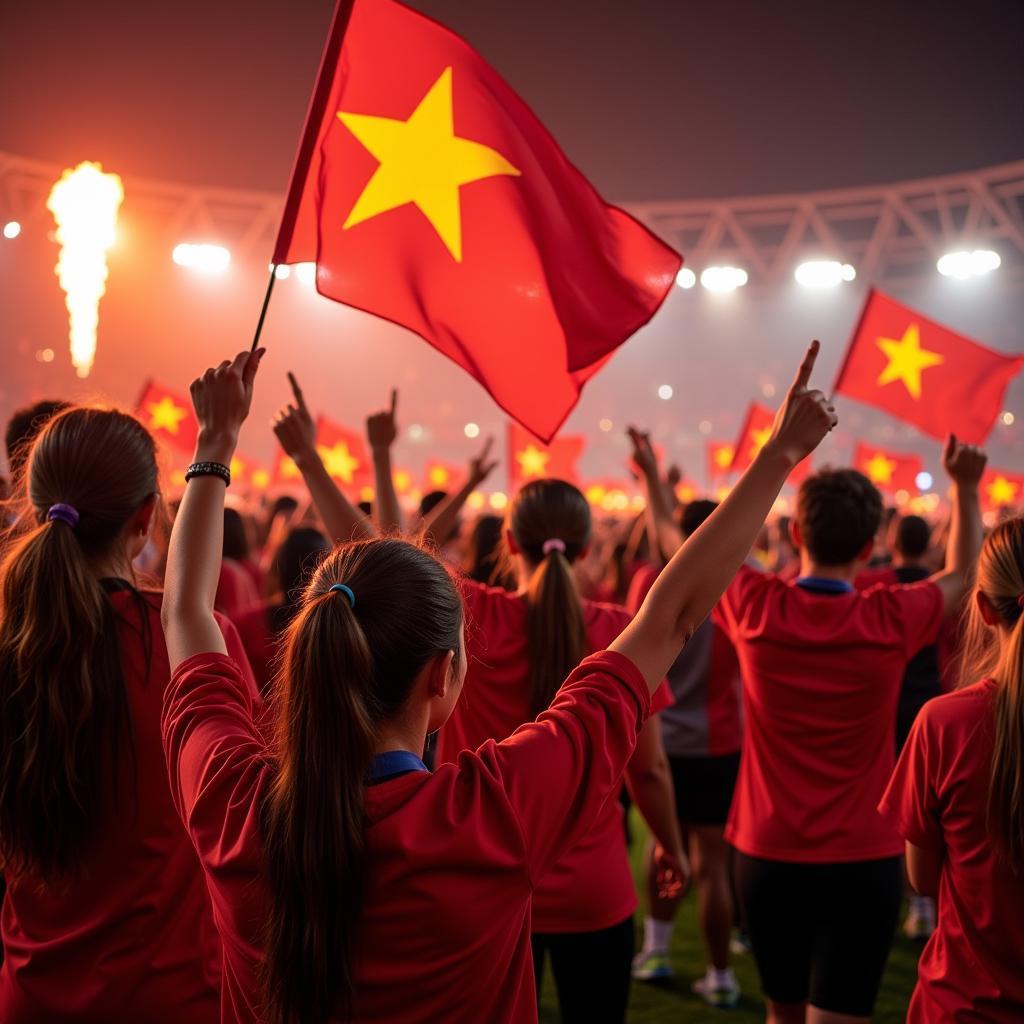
106,915
957,798
349,882
522,646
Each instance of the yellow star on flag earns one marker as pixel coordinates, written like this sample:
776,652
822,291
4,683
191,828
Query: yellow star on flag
758,439
260,478
438,476
724,455
880,469
533,462
165,415
288,468
1002,491
402,480
422,161
907,360
339,461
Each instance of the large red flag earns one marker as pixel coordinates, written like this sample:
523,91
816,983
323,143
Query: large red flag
168,416
889,471
1000,489
529,459
924,373
429,194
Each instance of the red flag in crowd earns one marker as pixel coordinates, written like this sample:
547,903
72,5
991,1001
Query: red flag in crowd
924,373
754,434
1000,489
442,476
530,459
889,471
168,417
720,456
495,249
343,453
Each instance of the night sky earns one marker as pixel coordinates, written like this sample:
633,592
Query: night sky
654,99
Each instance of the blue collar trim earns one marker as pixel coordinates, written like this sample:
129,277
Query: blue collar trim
825,585
393,763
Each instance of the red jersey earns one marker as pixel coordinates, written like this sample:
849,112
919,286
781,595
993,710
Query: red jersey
705,719
591,887
453,855
258,638
132,939
972,968
236,591
821,674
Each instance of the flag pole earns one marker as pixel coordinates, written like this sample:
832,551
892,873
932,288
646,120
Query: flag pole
263,310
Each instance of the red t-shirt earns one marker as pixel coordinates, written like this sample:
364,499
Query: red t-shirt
236,591
972,968
821,675
705,719
259,641
132,939
591,886
453,855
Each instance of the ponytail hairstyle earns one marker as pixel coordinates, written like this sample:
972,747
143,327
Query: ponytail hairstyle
65,709
986,655
550,523
346,668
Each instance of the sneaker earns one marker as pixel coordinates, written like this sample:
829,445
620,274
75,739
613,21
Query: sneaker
723,996
920,922
652,966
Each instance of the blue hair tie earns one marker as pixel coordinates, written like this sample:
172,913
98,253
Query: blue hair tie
347,591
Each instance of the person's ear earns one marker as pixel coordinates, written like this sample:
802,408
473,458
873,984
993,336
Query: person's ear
989,615
794,534
143,520
439,674
511,542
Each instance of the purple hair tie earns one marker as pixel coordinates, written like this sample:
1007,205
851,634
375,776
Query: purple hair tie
553,545
65,513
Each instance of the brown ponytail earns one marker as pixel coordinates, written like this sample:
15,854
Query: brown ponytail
65,710
1001,580
345,669
551,514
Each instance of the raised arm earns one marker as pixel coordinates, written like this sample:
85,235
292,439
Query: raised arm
441,520
221,398
662,532
965,465
296,431
381,431
701,569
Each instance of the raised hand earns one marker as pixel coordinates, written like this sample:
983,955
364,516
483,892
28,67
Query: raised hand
294,426
965,463
221,398
481,467
643,453
673,476
805,416
381,428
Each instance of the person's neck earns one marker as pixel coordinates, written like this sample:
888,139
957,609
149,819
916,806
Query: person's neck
112,567
402,736
846,573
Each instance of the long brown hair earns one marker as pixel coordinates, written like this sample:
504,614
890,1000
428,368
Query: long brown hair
551,511
345,669
986,655
65,709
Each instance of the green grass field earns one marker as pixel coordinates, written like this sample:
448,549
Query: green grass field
675,1003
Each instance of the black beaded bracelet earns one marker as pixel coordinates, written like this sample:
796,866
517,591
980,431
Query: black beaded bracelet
209,469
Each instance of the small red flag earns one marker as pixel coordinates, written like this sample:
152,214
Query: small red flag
889,471
429,194
720,455
1000,489
168,417
530,459
754,434
342,451
442,476
924,373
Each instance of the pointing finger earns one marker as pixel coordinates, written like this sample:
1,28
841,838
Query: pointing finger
803,374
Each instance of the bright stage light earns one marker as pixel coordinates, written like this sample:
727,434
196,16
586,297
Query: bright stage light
282,271
415,432
201,256
923,481
605,425
823,273
471,430
1007,418
84,203
665,392
306,273
964,264
12,229
723,279
686,278
499,500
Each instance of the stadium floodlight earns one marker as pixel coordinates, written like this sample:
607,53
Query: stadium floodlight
686,278
723,279
963,264
823,273
306,273
12,229
202,256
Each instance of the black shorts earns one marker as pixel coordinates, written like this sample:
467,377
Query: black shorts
821,933
704,787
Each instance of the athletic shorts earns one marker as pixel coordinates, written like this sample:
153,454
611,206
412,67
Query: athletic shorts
704,787
821,933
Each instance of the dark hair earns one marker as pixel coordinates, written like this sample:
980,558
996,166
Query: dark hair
556,633
695,513
430,501
23,427
366,507
298,555
65,708
913,535
484,550
345,670
236,541
838,512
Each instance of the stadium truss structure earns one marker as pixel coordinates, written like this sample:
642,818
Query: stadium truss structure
893,233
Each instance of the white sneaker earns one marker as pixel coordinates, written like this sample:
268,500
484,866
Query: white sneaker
723,995
652,965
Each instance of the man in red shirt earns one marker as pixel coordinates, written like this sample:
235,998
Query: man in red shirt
819,873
